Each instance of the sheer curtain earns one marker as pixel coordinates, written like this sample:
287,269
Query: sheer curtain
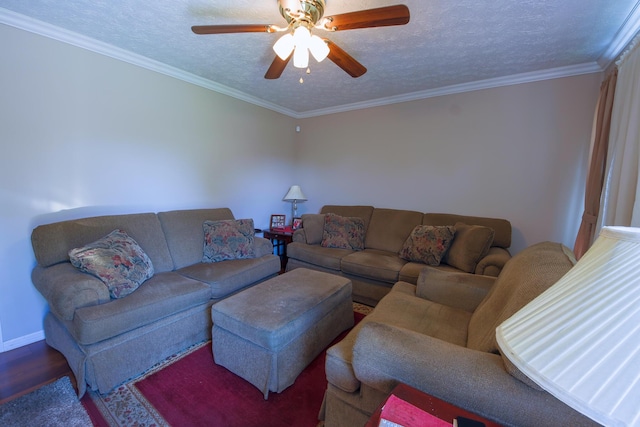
597,164
620,201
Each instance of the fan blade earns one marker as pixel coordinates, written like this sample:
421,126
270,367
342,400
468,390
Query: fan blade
345,61
225,29
277,67
380,17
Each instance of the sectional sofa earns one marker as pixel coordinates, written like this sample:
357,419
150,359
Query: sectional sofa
479,246
110,334
439,336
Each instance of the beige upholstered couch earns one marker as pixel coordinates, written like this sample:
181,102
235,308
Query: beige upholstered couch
480,247
107,341
439,337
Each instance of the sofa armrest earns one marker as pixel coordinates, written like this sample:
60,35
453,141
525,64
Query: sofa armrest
66,288
262,247
492,263
453,289
384,356
299,236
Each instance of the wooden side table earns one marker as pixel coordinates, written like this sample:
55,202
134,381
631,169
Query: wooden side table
430,404
279,239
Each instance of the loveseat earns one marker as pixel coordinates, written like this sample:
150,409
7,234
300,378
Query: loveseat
479,246
439,336
110,334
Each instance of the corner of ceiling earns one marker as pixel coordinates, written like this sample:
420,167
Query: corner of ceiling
623,37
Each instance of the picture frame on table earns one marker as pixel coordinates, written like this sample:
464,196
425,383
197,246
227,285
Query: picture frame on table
297,223
278,221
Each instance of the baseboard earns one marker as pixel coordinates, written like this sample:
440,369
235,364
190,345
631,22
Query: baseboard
22,341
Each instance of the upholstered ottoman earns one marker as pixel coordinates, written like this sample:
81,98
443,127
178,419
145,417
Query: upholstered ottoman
270,332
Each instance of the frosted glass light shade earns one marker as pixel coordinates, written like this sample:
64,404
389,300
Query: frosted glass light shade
302,35
319,49
580,339
284,46
301,57
301,42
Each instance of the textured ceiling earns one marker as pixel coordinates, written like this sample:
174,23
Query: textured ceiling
447,43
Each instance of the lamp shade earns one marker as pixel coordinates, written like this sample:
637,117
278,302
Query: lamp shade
294,194
284,46
580,339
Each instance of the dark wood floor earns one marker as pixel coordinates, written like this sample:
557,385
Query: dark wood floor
27,368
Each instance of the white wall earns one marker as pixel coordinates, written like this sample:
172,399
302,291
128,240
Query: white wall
518,152
83,134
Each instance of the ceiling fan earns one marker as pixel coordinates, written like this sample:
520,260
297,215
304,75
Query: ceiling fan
304,15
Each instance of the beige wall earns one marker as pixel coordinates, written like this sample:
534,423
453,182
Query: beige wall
84,134
517,152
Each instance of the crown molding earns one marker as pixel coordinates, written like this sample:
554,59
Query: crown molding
623,37
553,73
69,37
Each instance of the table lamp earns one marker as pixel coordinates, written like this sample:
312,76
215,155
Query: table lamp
294,195
580,339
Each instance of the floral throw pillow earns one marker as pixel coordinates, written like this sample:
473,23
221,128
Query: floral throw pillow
117,260
228,239
343,232
427,244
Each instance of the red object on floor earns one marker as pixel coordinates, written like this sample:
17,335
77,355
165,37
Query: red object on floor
194,391
401,412
429,404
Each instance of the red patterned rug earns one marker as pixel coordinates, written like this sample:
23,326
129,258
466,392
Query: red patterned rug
189,389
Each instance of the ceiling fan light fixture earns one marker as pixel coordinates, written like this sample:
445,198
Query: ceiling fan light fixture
301,57
302,17
302,35
319,49
284,46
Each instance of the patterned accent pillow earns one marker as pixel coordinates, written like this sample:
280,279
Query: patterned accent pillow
117,260
343,232
427,244
228,239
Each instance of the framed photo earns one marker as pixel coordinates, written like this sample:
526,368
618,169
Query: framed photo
278,221
297,223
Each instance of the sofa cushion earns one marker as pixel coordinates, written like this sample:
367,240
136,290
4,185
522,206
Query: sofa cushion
329,258
313,225
427,244
227,277
524,277
502,227
363,212
402,310
162,295
411,271
373,264
117,260
228,239
389,228
184,232
343,232
472,243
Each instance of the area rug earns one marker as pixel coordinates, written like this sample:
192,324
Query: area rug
189,389
55,404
